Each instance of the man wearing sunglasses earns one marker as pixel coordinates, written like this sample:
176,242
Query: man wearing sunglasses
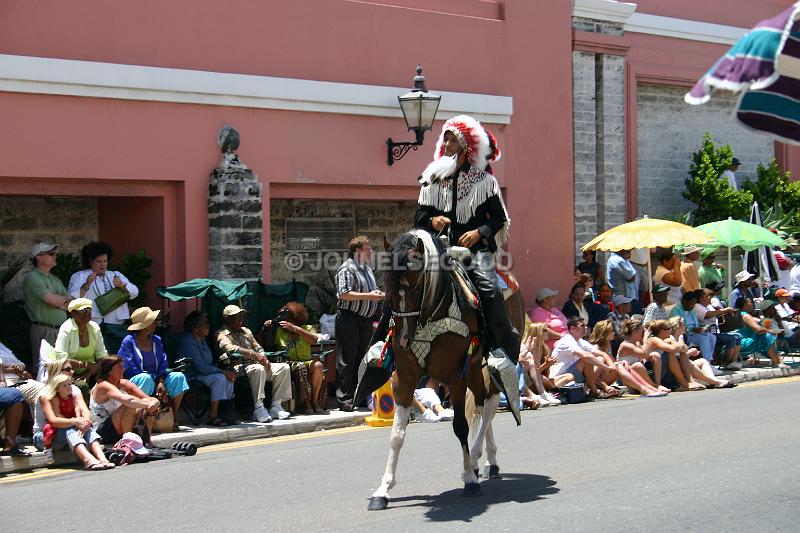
46,298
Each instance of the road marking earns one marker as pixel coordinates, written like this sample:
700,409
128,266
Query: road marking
36,475
276,440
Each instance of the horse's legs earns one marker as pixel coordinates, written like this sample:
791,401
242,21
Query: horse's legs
492,470
487,411
461,429
380,498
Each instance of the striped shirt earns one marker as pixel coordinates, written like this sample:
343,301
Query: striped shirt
353,278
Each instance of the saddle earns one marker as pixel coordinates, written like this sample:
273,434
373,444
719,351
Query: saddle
505,279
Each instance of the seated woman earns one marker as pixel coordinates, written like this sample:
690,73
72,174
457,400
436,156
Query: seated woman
676,367
546,312
81,343
535,359
193,344
601,338
633,360
700,368
146,364
116,403
65,427
575,305
599,309
755,337
54,368
296,337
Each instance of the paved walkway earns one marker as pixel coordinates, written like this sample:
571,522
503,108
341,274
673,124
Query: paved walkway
204,436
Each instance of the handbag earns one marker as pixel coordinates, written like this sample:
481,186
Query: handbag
730,322
164,420
574,393
110,300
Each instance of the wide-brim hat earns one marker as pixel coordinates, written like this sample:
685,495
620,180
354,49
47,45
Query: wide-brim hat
744,275
691,249
715,286
142,318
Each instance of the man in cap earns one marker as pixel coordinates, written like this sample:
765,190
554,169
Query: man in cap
460,195
729,174
709,271
235,338
621,313
621,275
656,310
744,288
788,317
689,274
46,298
696,333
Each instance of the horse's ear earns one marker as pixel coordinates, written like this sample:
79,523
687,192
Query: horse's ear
386,244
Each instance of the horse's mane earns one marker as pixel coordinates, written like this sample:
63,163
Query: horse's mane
434,288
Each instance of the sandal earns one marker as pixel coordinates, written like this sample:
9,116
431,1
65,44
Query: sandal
176,428
16,451
95,466
217,422
108,466
727,385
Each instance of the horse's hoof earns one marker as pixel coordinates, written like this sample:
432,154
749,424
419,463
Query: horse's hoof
472,489
378,503
494,472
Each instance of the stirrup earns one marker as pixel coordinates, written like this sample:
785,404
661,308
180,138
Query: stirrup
503,372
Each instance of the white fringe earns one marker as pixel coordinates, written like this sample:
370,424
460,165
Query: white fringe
435,195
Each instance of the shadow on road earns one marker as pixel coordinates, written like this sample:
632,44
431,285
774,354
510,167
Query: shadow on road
453,506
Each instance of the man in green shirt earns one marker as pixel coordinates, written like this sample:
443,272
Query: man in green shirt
709,271
46,298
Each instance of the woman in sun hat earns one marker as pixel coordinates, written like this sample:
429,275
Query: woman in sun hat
145,360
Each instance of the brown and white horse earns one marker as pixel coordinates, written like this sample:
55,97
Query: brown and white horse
432,335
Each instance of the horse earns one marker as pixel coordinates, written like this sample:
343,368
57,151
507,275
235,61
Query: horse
434,327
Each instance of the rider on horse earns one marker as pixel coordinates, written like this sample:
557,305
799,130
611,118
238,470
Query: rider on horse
459,191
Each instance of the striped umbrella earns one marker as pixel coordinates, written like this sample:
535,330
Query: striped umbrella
765,66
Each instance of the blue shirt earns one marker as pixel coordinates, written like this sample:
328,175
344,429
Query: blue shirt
689,318
202,358
621,276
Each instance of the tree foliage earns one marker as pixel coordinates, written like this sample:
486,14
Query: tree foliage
714,197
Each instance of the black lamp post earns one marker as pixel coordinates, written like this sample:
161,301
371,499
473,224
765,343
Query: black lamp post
419,110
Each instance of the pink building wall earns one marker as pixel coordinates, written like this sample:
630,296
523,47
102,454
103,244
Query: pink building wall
116,145
123,150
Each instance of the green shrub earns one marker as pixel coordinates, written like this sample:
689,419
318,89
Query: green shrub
136,267
714,197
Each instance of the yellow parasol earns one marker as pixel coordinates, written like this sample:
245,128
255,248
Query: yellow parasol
647,233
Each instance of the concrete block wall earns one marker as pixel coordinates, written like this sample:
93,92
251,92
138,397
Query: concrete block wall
24,221
669,131
585,148
373,219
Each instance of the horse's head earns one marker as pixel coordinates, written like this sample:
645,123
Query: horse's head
406,285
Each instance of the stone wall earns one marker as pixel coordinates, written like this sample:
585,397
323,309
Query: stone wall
24,221
599,144
669,131
373,219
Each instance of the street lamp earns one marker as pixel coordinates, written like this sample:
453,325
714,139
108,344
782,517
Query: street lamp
419,110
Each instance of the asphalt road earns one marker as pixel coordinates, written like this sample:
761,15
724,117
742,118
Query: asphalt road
726,460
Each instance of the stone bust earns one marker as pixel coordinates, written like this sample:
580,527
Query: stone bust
228,141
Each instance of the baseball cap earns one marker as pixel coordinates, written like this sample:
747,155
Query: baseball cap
735,162
620,300
544,292
660,288
79,303
765,304
744,275
135,443
231,310
42,247
781,292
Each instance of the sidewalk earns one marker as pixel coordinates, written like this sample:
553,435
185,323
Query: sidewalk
205,436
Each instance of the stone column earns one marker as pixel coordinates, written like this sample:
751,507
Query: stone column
599,136
235,229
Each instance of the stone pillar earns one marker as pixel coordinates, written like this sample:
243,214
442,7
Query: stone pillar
235,229
599,137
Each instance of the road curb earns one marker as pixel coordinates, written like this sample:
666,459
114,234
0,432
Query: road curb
206,436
